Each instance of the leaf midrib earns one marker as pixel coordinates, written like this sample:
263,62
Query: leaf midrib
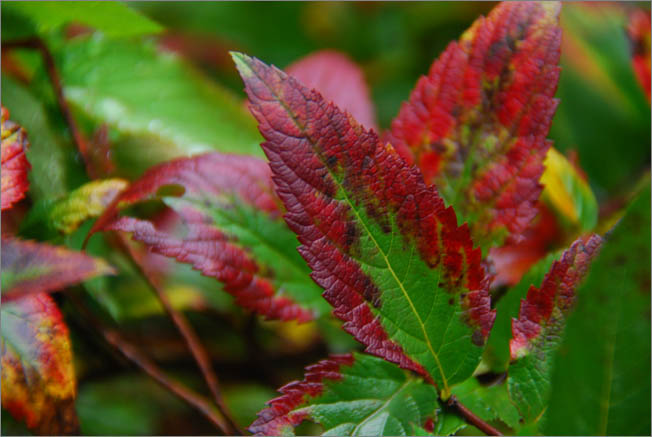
446,390
379,409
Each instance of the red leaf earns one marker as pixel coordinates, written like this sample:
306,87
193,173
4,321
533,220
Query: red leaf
279,416
329,170
557,293
639,33
211,180
29,267
339,80
38,380
14,162
476,125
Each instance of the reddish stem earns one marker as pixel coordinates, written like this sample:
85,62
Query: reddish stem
471,418
37,44
191,338
133,354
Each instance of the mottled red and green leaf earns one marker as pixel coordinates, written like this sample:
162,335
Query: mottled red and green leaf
393,262
230,229
536,334
38,381
29,267
339,80
476,125
14,162
351,395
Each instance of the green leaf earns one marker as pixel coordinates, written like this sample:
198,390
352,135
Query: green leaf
351,395
489,402
598,88
398,270
52,159
125,405
245,400
38,378
110,17
158,107
601,380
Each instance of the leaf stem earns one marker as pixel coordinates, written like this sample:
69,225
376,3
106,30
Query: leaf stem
37,44
189,335
133,354
471,418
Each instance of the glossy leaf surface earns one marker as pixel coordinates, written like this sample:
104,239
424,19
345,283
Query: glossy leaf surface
53,168
14,162
231,230
112,18
393,262
351,395
601,380
161,109
38,381
477,124
536,334
339,80
29,267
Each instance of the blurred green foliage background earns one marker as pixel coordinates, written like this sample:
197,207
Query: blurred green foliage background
157,106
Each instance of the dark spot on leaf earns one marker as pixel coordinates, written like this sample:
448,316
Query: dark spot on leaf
620,260
171,190
366,162
371,293
331,161
451,301
477,338
351,234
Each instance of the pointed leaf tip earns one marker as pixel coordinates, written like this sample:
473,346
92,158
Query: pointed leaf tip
536,334
476,125
29,267
377,246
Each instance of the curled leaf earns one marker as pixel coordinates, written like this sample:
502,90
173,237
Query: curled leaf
476,125
14,162
38,380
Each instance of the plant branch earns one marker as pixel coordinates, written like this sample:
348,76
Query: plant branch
133,354
37,44
191,338
471,418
